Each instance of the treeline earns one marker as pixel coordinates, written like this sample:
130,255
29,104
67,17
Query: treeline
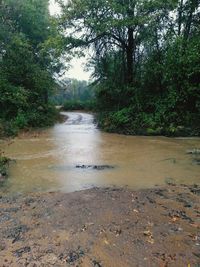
147,62
28,60
73,94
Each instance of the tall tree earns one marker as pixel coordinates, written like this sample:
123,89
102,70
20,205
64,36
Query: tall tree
27,60
111,25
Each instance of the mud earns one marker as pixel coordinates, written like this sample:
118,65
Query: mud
107,227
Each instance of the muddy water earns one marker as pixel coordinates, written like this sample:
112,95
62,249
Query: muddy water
46,160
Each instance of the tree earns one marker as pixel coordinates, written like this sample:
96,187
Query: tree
144,65
111,25
27,61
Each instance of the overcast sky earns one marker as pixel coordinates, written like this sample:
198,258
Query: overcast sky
77,69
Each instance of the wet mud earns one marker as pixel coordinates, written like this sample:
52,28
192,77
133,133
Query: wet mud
107,227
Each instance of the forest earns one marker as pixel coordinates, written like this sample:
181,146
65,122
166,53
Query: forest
28,61
145,60
73,94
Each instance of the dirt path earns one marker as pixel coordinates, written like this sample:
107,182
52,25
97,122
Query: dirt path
102,227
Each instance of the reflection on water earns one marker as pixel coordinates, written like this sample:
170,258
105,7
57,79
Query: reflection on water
46,161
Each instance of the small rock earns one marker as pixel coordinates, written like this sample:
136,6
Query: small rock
147,233
21,251
15,233
94,167
195,151
170,181
73,256
96,264
49,259
2,247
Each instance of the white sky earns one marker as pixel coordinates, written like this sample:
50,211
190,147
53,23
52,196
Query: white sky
77,69
53,8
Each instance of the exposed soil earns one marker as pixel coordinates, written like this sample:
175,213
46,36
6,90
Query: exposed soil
102,227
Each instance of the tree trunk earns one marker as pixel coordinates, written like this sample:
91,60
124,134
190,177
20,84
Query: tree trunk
124,64
46,97
159,60
129,54
180,15
193,6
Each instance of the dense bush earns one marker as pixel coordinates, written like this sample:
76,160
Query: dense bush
79,105
38,117
170,106
27,65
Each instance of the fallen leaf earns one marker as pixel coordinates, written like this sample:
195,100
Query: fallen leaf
174,219
147,233
136,211
106,242
151,241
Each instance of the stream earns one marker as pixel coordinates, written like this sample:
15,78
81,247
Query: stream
76,155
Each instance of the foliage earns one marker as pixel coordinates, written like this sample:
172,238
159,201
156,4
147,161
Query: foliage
72,90
146,62
73,94
118,121
27,64
79,105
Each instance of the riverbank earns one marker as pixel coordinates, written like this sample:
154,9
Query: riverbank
144,124
102,227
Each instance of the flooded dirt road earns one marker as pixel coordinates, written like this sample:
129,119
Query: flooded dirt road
105,226
47,160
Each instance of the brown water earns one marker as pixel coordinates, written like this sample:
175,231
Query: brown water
46,160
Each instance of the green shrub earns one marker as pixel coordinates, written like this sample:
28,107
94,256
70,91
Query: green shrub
116,121
21,121
3,165
42,116
71,105
8,128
